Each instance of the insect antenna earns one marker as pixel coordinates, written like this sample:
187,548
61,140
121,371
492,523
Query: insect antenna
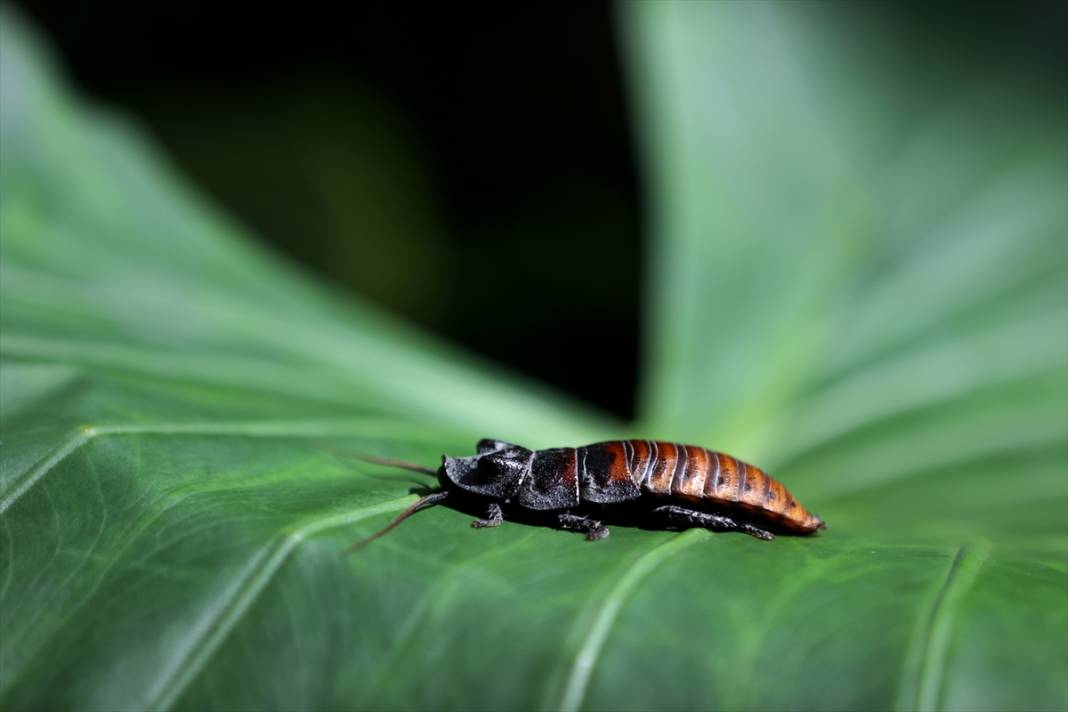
390,462
428,500
387,461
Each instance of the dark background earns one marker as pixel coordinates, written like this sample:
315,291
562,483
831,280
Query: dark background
470,168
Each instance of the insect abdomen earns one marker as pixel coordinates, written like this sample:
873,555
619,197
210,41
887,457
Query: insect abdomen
619,470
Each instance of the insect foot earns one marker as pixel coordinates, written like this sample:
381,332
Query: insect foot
494,517
757,532
593,529
597,533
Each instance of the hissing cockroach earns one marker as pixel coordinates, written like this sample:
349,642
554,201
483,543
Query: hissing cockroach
679,485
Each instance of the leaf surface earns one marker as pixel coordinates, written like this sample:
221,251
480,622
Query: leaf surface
861,281
856,284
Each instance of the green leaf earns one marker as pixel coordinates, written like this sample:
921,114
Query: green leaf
863,283
857,281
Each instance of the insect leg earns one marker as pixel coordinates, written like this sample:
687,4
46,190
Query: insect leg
711,521
494,517
594,529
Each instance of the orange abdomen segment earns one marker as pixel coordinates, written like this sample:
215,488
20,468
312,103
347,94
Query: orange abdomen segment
754,483
709,478
661,469
724,486
689,481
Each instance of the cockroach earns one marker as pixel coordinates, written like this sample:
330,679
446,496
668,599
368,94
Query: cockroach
683,486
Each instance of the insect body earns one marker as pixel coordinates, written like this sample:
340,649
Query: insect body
682,485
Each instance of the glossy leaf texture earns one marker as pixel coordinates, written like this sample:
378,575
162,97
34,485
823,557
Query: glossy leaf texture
857,282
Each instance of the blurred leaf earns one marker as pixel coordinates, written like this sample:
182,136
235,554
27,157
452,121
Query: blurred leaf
862,281
342,164
857,281
110,263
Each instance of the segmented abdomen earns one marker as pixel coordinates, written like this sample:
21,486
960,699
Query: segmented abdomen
624,469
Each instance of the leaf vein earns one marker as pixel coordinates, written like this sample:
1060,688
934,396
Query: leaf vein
35,474
241,428
582,668
959,578
253,581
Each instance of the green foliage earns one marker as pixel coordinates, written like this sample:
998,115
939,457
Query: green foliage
858,282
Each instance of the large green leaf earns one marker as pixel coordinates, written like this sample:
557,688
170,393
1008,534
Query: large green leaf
857,280
862,282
